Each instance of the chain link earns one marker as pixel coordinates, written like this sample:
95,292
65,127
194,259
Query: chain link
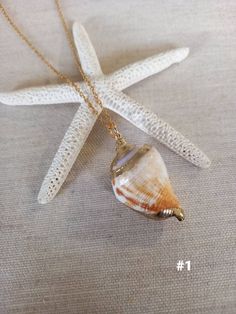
106,119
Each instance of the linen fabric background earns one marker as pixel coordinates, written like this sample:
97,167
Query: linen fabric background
85,252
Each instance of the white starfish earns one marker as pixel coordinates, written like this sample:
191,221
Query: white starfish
109,88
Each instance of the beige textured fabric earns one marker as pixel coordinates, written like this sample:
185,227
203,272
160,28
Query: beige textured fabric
84,252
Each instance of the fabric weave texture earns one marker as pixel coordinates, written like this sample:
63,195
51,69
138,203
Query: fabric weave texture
85,252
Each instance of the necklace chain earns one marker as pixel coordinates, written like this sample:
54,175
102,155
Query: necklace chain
106,119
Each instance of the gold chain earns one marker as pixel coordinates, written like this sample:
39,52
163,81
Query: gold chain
106,119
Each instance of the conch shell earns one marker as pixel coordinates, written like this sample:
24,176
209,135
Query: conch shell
140,181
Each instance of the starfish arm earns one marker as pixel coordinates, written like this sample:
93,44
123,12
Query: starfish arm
133,73
51,94
67,153
150,123
57,94
121,79
87,54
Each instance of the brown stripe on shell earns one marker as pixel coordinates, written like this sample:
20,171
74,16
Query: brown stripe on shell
166,198
142,183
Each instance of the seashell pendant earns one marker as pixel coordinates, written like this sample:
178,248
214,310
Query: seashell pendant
140,181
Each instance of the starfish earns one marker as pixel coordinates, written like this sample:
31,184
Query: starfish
109,88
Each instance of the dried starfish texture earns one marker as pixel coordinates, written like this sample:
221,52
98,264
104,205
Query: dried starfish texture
109,88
